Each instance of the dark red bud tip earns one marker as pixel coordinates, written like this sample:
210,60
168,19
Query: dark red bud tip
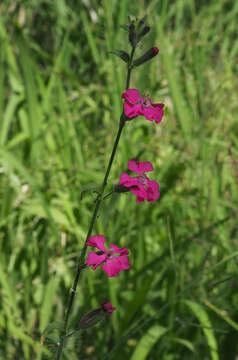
156,50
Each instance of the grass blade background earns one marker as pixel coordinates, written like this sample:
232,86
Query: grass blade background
60,101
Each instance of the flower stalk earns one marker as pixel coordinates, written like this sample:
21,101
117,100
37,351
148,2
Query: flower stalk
81,260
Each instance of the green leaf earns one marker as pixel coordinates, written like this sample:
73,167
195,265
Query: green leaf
184,342
12,164
46,308
147,342
202,316
137,301
121,54
222,313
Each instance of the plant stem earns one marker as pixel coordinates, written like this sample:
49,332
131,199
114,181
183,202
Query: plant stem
129,69
99,200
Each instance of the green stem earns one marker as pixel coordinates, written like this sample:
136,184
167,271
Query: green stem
129,69
107,195
99,200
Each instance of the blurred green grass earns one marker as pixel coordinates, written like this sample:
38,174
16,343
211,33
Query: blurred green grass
59,110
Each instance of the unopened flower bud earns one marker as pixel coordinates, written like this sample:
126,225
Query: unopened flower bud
95,316
143,32
91,318
149,54
132,34
142,21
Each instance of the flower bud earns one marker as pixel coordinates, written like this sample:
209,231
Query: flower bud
143,32
95,316
132,34
91,318
142,21
149,54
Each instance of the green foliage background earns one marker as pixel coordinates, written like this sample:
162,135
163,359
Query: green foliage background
59,111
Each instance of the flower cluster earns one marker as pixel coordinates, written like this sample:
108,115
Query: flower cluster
114,259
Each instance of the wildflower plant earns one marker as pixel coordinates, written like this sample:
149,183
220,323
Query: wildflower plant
113,259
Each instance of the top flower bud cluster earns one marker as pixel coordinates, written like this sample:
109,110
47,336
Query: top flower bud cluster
137,29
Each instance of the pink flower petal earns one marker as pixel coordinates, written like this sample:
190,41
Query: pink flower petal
116,264
153,191
139,191
97,241
123,262
132,110
141,185
118,250
140,167
131,95
159,106
135,105
127,181
111,267
154,112
95,260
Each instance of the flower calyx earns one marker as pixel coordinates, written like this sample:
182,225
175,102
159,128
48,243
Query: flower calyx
95,316
148,55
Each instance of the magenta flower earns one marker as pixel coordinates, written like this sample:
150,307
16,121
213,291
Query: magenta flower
135,105
107,306
114,259
141,185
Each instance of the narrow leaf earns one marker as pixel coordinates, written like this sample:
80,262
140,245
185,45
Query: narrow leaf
147,342
46,308
185,343
222,313
121,54
202,316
